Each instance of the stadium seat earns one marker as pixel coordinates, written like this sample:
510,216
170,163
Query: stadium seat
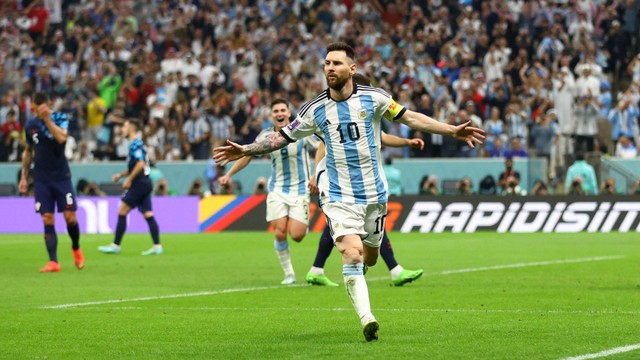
111,188
449,186
8,189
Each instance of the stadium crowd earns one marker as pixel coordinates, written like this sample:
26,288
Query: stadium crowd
543,78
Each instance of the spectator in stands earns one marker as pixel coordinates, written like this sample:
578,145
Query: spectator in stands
499,149
625,149
196,132
586,119
516,149
624,119
545,138
11,140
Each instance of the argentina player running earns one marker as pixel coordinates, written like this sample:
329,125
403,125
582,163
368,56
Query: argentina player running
288,198
355,197
46,135
137,191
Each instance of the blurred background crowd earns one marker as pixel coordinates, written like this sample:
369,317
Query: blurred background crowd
548,79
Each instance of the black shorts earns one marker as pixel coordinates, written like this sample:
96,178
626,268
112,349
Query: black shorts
59,192
139,195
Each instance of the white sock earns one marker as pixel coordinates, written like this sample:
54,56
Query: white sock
395,272
357,290
316,270
282,250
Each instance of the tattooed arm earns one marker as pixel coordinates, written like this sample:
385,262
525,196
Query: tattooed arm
224,154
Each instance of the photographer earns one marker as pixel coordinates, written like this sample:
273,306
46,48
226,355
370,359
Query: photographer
513,187
429,185
464,187
584,173
576,187
608,187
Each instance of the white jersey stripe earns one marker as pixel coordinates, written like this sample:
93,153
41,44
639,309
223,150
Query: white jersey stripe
320,117
289,167
372,135
348,134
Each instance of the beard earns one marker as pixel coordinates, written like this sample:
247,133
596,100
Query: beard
336,83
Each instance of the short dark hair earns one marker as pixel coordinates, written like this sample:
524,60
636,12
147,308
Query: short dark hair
277,101
40,98
361,79
342,46
134,122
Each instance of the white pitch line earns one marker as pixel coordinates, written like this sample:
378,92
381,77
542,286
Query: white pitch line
614,351
537,263
227,291
478,311
174,296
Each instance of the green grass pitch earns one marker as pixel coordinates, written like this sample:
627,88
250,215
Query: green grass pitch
217,296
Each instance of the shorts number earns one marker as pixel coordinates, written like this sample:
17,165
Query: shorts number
35,138
69,198
380,224
352,131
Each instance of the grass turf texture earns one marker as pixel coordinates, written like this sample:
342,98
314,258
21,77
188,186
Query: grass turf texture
532,312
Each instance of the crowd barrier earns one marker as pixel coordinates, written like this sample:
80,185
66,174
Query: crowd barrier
184,214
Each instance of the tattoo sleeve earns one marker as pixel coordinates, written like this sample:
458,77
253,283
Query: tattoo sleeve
274,142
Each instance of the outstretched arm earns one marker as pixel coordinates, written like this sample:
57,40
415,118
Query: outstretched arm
237,166
224,154
464,132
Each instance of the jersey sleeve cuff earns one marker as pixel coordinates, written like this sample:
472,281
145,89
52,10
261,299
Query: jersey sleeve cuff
286,136
400,114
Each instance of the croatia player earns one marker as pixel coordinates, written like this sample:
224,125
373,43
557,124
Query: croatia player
137,191
46,136
355,197
288,199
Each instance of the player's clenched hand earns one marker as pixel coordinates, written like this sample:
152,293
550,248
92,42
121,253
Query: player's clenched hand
126,184
116,177
224,154
416,143
224,180
469,134
23,186
313,187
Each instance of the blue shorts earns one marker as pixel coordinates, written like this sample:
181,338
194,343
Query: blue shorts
59,192
139,195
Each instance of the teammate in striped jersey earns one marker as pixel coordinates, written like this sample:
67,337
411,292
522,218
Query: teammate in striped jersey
46,135
288,199
355,198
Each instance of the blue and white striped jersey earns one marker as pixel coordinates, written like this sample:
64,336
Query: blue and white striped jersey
289,166
351,130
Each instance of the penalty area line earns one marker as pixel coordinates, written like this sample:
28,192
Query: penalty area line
605,353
